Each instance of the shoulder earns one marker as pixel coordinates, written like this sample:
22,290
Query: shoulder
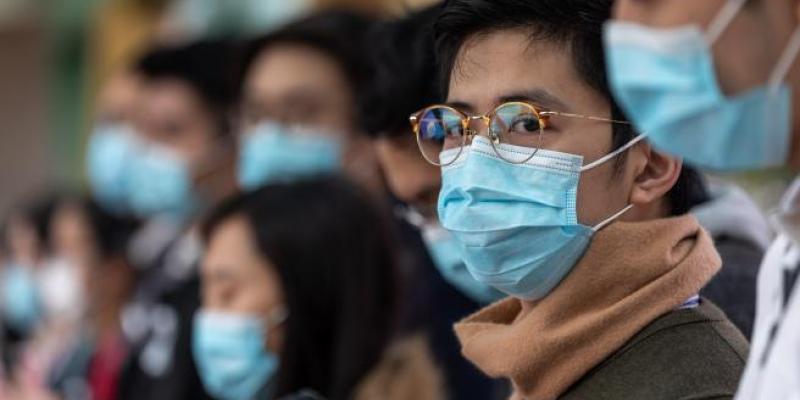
686,354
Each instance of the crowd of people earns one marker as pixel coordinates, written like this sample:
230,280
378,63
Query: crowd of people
480,199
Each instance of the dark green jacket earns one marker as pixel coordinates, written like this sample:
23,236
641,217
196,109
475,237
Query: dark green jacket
689,354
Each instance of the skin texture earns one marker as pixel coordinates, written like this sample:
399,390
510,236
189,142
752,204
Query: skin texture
758,34
494,67
238,279
313,91
170,113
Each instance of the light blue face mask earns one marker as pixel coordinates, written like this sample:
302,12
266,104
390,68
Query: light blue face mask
517,224
160,183
273,153
666,83
111,150
21,302
446,255
231,355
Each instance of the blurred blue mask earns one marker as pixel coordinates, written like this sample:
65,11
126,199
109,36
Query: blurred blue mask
231,354
21,301
516,224
446,255
666,83
112,148
276,153
160,183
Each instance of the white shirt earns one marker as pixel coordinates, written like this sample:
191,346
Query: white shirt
773,366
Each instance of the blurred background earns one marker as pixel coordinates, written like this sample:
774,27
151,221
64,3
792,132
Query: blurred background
57,53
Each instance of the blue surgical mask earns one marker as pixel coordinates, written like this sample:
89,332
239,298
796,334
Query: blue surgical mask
277,153
231,354
110,153
666,83
160,183
21,302
517,224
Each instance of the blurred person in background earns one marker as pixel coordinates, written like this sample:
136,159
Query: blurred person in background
172,159
298,106
21,299
676,70
404,61
558,201
300,294
91,366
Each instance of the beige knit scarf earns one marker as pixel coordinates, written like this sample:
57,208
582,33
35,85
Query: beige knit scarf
631,274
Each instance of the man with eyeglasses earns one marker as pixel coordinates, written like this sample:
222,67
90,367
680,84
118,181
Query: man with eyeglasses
556,200
716,82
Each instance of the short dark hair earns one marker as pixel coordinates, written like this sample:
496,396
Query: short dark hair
333,250
339,34
405,77
206,66
578,24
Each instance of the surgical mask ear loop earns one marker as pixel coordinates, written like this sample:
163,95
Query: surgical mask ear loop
723,19
613,153
611,219
785,62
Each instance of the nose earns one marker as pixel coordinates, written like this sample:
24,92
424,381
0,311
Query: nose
478,125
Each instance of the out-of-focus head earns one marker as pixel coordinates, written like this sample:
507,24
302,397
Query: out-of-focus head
176,154
187,95
322,69
118,99
320,250
402,52
758,32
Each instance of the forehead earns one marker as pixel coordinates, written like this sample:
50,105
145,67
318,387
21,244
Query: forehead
300,68
508,63
667,13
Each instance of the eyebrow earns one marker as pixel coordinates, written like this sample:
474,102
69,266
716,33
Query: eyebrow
537,96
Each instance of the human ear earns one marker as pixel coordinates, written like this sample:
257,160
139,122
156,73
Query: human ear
655,177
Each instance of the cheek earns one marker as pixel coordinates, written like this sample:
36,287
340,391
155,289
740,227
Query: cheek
601,193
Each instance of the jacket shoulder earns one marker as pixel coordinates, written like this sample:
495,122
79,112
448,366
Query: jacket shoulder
686,354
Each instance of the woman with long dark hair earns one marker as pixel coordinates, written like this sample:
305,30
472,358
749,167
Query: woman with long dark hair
298,292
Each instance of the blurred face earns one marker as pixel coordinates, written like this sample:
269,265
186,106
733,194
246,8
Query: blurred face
72,237
759,34
505,65
119,99
237,279
298,85
173,115
412,179
23,243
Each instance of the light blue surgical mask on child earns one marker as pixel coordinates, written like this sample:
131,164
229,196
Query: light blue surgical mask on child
109,158
231,355
160,183
446,256
517,224
665,81
273,152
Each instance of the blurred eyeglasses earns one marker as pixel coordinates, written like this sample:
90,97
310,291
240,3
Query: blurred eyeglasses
442,131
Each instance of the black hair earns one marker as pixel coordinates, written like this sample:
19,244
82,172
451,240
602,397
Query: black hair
337,33
206,66
405,75
332,248
578,24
